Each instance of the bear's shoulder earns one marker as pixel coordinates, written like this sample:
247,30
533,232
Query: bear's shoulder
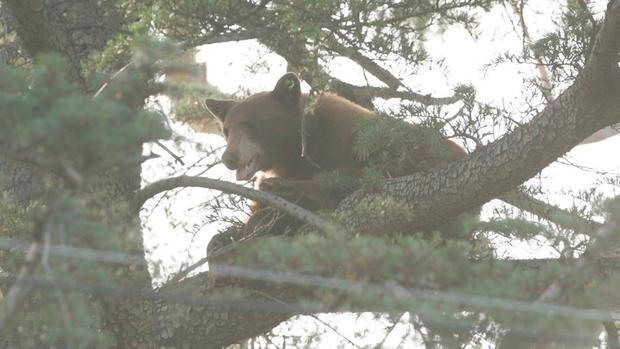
333,106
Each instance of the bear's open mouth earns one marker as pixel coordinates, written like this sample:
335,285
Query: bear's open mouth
248,170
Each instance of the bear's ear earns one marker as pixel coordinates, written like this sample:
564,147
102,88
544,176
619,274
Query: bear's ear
288,89
219,108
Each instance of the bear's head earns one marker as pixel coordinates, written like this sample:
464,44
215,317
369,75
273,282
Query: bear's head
262,131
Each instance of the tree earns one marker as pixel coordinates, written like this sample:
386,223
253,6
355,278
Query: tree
74,116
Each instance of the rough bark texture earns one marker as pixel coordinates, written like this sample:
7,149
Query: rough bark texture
72,28
75,29
590,104
213,324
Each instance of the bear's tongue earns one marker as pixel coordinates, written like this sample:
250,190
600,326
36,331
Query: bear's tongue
246,172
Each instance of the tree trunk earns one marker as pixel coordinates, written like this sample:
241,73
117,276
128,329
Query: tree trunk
590,104
74,29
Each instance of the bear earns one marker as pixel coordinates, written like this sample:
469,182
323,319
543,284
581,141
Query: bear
264,134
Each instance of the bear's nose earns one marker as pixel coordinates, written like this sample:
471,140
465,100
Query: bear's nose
229,159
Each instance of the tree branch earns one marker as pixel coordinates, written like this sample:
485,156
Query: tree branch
366,63
32,27
370,92
73,29
550,213
546,86
275,201
254,29
362,95
590,104
192,303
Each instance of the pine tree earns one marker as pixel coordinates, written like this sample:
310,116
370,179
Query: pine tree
79,82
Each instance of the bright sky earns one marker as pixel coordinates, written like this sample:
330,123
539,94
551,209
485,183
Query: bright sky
465,58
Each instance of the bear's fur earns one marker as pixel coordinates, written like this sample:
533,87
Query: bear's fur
263,133
268,125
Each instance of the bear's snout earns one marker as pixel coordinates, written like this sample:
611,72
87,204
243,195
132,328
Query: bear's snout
230,160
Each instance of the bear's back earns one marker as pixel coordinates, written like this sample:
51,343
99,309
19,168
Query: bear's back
331,132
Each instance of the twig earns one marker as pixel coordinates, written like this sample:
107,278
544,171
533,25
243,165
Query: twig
385,76
366,92
275,201
547,87
105,84
170,152
586,9
597,243
183,273
381,344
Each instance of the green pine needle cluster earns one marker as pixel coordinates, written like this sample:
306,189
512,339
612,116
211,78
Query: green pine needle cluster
49,122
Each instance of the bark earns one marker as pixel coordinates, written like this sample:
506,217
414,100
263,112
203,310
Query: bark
71,28
76,29
590,104
275,201
45,27
202,321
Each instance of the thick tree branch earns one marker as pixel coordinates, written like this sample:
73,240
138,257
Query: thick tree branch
33,29
183,306
292,287
590,104
604,267
603,134
70,28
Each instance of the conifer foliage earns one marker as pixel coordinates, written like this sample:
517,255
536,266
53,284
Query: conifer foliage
84,116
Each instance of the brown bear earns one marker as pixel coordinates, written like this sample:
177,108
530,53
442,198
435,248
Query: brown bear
263,133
